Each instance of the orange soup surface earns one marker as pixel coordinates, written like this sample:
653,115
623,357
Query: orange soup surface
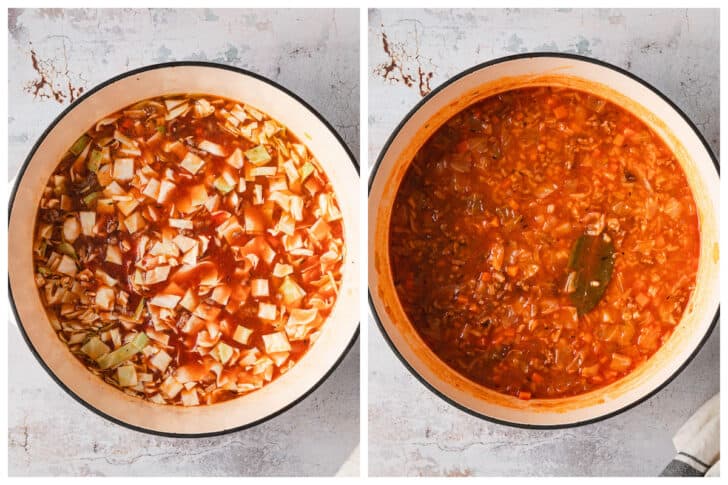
544,242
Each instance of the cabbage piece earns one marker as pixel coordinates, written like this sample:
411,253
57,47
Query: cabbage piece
189,397
127,206
279,358
266,311
291,293
222,352
189,301
259,287
177,111
151,190
161,360
225,183
71,229
207,312
258,155
134,223
276,342
242,334
123,353
67,266
95,348
235,159
184,243
88,221
105,298
320,230
281,270
301,316
125,140
170,387
221,294
156,275
202,108
181,224
165,190
124,169
192,163
212,148
165,301
126,375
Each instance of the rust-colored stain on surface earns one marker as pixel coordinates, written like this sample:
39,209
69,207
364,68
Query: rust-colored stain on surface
400,68
52,83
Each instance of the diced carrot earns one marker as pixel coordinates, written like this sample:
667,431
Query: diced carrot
462,299
485,276
537,378
512,270
525,395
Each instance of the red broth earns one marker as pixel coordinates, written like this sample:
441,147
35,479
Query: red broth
544,242
188,249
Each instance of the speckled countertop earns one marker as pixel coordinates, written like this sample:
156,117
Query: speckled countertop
56,55
412,431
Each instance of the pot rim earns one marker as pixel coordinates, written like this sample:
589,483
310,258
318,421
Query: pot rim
385,149
19,179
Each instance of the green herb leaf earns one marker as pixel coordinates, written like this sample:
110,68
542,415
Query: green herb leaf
592,258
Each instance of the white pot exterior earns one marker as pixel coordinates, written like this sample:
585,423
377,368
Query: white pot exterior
620,88
341,327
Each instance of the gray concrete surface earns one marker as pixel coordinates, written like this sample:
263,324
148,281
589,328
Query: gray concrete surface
413,432
56,54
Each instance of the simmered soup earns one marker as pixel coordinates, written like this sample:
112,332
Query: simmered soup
188,249
544,242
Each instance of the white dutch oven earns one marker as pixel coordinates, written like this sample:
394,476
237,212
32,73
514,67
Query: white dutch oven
617,86
339,331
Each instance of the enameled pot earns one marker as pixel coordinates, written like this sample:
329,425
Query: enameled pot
619,87
339,331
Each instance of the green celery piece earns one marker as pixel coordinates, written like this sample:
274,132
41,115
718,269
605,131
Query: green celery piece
258,155
139,309
80,144
94,161
592,258
89,199
67,249
123,353
162,129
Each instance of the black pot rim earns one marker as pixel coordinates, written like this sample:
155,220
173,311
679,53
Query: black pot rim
19,178
373,174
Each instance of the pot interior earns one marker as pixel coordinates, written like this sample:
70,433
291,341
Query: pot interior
626,92
340,328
